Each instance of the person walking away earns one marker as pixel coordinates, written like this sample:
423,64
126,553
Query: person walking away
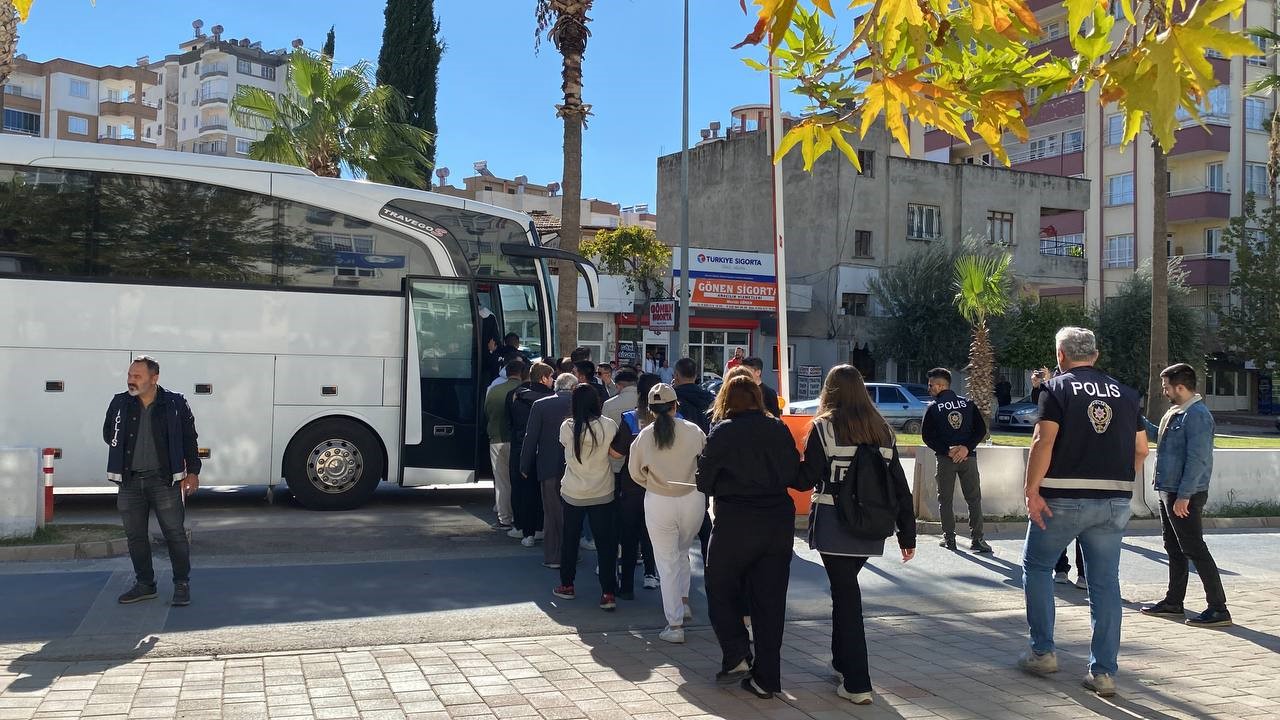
756,365
542,454
749,461
850,443
498,427
526,492
153,457
664,461
1184,465
953,426
1062,570
588,492
693,400
1089,444
632,532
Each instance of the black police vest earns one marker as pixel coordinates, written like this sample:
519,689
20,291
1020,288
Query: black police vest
1098,421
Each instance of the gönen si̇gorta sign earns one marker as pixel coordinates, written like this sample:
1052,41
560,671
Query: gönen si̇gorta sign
731,279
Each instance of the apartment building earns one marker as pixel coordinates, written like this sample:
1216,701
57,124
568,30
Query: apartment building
74,101
196,87
1211,169
842,228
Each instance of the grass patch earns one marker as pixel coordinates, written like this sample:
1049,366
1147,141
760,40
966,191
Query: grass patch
1270,443
67,534
1024,440
1243,510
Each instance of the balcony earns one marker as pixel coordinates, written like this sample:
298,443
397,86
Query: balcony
1070,246
1207,270
1069,105
1058,47
1057,163
1196,204
1196,139
24,102
209,70
217,97
213,126
217,147
127,106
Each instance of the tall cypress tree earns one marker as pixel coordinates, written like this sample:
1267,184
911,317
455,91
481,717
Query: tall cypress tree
327,50
410,61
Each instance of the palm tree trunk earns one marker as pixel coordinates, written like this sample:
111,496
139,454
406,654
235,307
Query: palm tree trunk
570,33
982,369
8,39
1159,356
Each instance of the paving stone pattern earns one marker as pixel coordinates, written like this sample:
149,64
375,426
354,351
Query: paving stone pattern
957,666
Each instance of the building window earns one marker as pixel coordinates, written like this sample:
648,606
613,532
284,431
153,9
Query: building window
924,222
1119,251
17,121
1120,189
1042,147
267,73
1255,179
1255,113
1072,141
77,125
1258,60
184,123
862,243
1213,177
1115,129
867,161
1215,105
854,304
591,336
242,146
244,67
1212,240
1000,227
184,72
79,88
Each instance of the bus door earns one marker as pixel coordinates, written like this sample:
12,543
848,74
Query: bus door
444,338
512,308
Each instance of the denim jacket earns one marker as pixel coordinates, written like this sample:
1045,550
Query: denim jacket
1184,456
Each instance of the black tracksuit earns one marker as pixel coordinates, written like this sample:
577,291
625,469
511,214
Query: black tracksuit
526,492
747,465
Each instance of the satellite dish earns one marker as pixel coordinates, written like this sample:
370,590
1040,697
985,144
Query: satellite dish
197,24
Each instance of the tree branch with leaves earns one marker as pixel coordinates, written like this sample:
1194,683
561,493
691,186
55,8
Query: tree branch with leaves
635,254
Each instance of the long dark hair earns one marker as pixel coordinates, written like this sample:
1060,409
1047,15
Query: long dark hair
586,407
646,382
664,424
845,404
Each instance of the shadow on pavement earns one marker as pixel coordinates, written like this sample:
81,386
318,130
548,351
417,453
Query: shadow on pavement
38,670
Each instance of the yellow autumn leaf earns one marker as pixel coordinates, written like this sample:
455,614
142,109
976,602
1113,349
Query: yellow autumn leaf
24,8
824,6
892,14
837,136
1078,11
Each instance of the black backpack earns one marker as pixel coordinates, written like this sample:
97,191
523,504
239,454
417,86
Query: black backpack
864,497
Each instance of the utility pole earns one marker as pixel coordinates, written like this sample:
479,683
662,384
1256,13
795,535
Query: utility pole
682,335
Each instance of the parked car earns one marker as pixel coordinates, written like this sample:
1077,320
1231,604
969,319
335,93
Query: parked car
899,405
1021,415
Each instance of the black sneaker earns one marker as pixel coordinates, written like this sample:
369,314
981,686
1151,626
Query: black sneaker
980,546
749,684
1211,618
1164,608
741,671
181,594
948,542
138,593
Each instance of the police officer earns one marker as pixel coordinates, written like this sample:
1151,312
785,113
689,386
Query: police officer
1087,448
952,427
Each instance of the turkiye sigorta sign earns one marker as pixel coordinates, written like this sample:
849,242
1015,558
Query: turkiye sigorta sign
730,279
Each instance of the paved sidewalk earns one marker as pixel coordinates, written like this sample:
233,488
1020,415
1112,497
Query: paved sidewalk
952,665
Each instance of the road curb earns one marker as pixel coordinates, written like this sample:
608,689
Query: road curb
71,551
926,527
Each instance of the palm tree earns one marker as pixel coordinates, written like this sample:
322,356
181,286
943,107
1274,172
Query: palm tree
565,24
982,291
9,17
330,117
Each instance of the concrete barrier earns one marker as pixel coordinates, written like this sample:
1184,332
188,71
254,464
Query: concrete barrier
22,487
1239,476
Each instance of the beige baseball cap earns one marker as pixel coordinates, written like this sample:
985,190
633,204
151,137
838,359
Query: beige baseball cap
661,394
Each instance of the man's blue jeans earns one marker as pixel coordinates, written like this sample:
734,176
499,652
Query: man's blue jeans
1099,524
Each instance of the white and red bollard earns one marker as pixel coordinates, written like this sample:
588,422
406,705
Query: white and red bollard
48,484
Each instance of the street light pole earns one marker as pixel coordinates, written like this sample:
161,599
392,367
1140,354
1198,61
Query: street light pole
682,336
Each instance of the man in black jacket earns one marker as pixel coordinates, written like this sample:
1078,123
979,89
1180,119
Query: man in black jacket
153,457
694,402
953,426
526,492
769,394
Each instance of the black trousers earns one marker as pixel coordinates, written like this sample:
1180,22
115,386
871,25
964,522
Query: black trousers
634,536
970,485
750,553
1183,541
135,501
848,636
1064,565
526,497
604,521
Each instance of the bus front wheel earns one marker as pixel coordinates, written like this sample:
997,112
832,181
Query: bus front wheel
333,465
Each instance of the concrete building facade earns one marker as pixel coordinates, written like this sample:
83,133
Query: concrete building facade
74,101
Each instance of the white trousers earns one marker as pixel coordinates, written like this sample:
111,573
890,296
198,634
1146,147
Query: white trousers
500,458
673,524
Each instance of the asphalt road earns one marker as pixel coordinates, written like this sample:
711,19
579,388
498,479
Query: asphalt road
423,565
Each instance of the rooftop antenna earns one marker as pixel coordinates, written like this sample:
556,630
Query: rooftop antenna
196,25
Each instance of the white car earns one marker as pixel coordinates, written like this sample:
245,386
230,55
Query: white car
901,405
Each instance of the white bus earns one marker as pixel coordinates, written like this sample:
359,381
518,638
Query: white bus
326,332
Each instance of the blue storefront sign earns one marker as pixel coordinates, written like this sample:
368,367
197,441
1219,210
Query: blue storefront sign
368,261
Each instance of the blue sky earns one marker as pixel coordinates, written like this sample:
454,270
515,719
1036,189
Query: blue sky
496,97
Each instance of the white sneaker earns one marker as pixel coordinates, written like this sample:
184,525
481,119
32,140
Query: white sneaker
527,542
1082,583
1104,685
672,634
515,533
857,698
1062,578
838,675
587,544
688,613
1044,664
650,582
537,535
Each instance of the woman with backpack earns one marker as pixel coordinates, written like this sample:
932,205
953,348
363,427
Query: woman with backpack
663,461
747,465
860,496
588,493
